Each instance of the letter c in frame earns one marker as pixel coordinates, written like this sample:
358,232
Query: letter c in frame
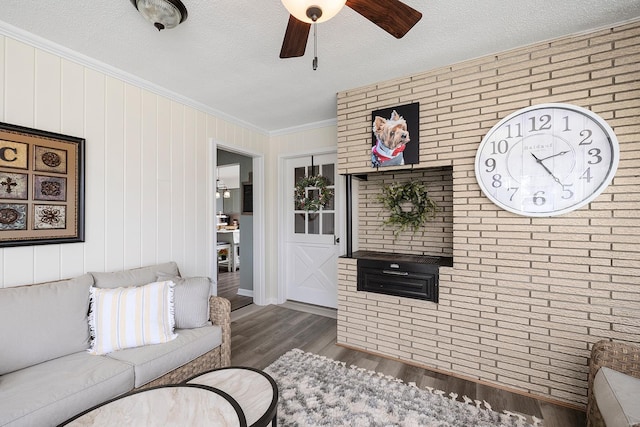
13,154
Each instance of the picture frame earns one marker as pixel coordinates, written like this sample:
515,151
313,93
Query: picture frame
395,136
41,187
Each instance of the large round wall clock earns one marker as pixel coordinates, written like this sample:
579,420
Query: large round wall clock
547,160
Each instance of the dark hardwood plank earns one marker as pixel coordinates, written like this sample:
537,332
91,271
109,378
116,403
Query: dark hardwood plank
260,338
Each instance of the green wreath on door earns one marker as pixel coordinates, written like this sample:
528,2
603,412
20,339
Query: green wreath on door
312,204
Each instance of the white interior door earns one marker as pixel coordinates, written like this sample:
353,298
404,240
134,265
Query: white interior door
312,243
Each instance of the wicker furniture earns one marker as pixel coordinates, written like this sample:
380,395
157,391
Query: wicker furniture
618,356
220,357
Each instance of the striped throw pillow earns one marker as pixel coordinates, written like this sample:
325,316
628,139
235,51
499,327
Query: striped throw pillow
131,317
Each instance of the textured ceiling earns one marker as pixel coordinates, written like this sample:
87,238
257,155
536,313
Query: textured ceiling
225,55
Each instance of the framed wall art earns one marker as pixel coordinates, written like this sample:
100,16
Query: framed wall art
41,187
395,136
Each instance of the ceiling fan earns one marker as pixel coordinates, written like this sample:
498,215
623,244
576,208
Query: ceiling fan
393,16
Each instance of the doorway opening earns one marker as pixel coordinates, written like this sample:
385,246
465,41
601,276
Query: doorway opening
234,227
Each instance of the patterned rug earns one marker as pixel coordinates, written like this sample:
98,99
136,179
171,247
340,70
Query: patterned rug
317,391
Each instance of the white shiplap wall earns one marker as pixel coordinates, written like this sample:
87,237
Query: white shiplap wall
146,165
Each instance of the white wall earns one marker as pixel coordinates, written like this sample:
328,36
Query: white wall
146,165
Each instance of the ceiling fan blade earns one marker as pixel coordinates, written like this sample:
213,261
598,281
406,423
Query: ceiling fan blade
393,16
295,38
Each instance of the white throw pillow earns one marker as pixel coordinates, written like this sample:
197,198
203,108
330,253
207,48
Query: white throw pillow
131,317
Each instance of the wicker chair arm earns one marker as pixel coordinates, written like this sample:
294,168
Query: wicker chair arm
618,356
220,314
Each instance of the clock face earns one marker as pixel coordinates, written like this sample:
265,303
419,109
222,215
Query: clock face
547,160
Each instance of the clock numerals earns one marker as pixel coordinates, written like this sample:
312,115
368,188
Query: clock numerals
567,193
517,131
595,152
497,181
501,147
543,122
515,190
586,134
490,163
538,198
566,124
587,175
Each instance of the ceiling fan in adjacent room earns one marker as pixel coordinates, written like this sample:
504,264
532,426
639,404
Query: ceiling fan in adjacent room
393,16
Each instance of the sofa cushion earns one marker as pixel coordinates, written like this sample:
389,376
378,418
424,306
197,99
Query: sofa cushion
617,397
43,322
135,276
54,391
153,361
131,317
191,300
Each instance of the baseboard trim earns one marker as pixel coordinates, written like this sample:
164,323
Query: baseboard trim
466,378
245,292
310,308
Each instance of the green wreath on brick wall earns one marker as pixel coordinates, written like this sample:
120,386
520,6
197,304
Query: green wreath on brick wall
396,197
312,204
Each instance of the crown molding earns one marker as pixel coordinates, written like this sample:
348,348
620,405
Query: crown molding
305,127
86,61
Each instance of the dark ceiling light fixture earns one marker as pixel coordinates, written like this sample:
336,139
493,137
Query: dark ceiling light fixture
162,13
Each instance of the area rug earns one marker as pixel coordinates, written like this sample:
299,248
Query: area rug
317,391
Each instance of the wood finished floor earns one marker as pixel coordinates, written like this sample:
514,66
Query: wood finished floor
259,338
228,284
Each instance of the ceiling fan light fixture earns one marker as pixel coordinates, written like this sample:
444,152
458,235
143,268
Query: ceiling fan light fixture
163,14
304,10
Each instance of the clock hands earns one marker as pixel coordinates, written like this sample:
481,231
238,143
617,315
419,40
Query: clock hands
559,154
539,161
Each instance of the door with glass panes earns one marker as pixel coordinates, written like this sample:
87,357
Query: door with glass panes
312,239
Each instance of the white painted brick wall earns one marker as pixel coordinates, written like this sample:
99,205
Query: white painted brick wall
527,297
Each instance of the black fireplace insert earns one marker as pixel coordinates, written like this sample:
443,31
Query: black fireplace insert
405,276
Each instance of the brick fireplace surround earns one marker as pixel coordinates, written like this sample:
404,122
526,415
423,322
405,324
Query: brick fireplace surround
526,298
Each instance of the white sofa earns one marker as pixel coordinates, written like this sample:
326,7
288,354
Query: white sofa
46,373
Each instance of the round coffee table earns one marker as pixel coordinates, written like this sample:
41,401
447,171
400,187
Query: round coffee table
170,405
255,392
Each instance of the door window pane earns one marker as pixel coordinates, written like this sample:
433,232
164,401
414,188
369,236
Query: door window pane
299,223
330,204
323,221
327,223
298,173
314,224
328,172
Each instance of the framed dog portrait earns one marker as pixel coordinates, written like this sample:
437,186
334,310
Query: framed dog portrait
395,136
41,187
